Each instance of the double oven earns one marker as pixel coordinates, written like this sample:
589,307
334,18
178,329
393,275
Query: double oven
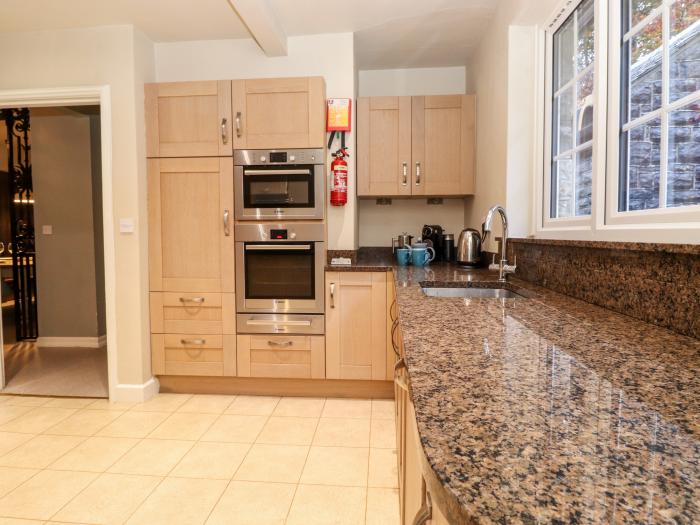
280,241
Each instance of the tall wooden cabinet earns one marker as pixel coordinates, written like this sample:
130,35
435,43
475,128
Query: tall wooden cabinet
416,146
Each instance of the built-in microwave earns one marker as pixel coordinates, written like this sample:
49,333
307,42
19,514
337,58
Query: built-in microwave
279,184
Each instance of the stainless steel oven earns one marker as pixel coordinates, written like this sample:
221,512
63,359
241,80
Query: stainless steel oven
279,277
279,185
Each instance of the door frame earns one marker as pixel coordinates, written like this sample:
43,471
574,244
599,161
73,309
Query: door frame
83,96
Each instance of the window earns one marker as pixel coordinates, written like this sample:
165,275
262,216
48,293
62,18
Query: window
573,78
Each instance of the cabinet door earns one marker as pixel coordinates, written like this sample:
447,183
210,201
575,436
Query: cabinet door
188,119
383,146
193,354
356,325
279,113
443,145
190,225
413,474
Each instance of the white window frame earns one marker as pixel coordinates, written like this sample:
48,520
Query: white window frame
664,225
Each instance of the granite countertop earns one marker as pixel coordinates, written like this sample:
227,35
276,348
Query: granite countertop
549,409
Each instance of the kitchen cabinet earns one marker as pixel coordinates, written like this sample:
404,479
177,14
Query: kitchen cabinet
437,133
356,325
279,113
281,356
190,225
188,119
193,313
193,354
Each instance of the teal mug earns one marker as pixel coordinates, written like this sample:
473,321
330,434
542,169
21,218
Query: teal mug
403,256
422,256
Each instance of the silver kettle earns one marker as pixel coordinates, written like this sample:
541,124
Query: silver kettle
469,247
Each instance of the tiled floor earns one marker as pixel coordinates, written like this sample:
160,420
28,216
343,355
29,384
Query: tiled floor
181,459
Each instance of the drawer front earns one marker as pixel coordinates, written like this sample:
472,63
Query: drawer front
281,356
192,313
193,354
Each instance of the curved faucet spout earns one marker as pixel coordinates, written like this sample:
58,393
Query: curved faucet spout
486,229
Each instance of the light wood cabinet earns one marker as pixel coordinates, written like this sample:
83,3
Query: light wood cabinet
301,357
201,313
193,354
435,135
356,325
188,119
279,113
191,225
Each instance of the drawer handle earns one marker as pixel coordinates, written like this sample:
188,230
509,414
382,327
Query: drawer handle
227,224
281,344
198,342
425,513
332,287
197,300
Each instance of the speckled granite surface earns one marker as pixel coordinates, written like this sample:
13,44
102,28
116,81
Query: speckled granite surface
549,409
363,260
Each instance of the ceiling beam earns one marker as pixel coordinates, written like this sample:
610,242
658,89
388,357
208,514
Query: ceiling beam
258,17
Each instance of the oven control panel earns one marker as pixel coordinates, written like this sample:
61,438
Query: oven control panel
259,157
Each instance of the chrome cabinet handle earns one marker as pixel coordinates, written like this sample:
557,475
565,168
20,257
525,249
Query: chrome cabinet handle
405,173
198,342
280,343
425,513
238,124
198,300
417,173
332,295
227,224
224,130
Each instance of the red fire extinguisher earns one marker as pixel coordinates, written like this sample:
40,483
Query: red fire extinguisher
339,178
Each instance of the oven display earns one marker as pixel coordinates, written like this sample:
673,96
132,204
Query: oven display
278,156
278,234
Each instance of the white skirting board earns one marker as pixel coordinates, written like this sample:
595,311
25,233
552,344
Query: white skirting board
72,342
125,393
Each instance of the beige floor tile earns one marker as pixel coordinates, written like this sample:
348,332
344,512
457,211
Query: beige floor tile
383,468
211,460
152,457
206,404
288,431
95,454
109,500
253,405
382,433
299,407
382,506
347,408
383,409
179,501
253,503
134,424
18,521
28,401
235,429
342,432
37,420
276,463
43,495
11,478
70,402
184,426
106,404
162,403
9,412
324,505
40,451
336,466
84,423
11,440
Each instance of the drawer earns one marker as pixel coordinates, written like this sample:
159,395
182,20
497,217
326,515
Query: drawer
192,313
193,354
281,356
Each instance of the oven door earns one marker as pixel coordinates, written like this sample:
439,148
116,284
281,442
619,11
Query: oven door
280,277
279,192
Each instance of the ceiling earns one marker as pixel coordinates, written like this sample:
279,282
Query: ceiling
388,33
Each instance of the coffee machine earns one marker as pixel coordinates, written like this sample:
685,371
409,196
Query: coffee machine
432,234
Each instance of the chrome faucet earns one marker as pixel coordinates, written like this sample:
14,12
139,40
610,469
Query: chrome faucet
503,267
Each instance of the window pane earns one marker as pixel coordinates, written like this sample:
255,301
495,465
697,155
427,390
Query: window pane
563,188
646,54
640,177
565,121
683,186
685,48
584,108
585,52
564,54
584,181
640,9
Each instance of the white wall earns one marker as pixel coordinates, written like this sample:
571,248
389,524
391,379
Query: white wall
379,223
331,56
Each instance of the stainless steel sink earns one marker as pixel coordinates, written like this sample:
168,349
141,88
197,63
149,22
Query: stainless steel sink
475,293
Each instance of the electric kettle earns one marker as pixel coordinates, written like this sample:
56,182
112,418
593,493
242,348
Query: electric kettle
469,247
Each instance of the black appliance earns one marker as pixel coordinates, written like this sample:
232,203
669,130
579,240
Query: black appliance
432,234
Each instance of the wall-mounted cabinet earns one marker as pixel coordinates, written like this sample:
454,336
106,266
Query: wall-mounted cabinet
416,146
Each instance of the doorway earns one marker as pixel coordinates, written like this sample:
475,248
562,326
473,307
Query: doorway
54,312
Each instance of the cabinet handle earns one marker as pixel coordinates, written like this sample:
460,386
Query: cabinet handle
198,342
332,295
425,512
224,130
238,124
405,173
198,300
417,173
280,343
227,224
394,344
